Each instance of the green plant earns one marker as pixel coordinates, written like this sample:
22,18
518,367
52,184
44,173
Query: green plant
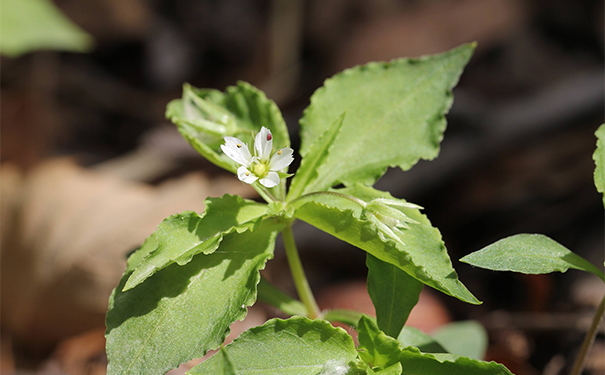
198,273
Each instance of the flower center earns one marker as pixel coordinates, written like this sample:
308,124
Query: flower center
260,169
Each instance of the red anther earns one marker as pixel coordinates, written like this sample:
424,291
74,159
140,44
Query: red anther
269,137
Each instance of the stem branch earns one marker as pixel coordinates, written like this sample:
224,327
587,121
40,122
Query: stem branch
298,274
579,363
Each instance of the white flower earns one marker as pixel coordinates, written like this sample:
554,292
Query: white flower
262,166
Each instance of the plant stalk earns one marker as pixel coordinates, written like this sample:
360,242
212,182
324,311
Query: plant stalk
298,274
580,361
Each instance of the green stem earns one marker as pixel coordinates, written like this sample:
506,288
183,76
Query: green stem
579,363
298,274
267,196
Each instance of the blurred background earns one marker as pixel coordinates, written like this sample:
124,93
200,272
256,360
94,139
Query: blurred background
90,166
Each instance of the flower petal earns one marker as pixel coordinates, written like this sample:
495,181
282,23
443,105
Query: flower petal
263,144
237,150
245,175
271,180
281,159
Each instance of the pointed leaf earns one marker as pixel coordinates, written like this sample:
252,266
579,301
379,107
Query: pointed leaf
376,348
419,250
599,159
204,117
530,254
318,152
394,294
411,336
181,312
350,317
394,116
416,363
468,338
181,236
32,25
296,346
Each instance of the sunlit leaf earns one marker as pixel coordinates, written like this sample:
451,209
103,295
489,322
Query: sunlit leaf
296,346
375,347
180,312
419,250
394,116
530,254
416,363
181,236
410,336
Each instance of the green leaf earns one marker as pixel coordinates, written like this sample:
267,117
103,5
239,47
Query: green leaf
31,25
204,117
275,297
181,236
307,172
394,294
530,254
296,346
350,317
599,159
419,250
375,347
394,116
416,363
181,312
468,338
391,370
411,336
222,365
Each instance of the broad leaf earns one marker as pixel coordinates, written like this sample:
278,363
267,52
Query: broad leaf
394,294
32,25
275,297
297,346
419,250
376,348
599,159
468,338
205,117
394,116
411,336
181,312
307,172
530,254
416,363
181,236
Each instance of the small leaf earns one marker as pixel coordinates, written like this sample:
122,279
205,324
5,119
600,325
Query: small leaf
376,348
181,312
394,293
318,152
416,363
394,116
204,117
530,254
296,346
275,297
181,236
32,25
411,336
419,250
599,159
468,338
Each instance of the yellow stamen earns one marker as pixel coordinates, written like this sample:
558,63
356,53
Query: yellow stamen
278,152
247,173
239,145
